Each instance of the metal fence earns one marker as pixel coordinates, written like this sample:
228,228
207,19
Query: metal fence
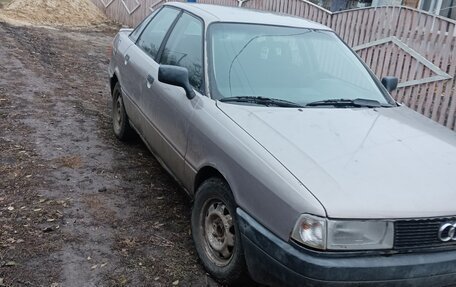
415,46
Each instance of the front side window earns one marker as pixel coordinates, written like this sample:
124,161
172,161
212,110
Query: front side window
153,35
185,48
291,64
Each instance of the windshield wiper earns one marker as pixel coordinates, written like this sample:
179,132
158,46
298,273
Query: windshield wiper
357,103
263,101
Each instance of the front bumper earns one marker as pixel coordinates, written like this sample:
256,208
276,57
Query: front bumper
272,261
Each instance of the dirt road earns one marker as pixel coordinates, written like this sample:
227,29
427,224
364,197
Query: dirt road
77,207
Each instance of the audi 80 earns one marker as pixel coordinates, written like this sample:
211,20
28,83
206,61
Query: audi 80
302,169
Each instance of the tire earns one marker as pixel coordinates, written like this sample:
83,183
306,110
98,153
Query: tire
120,121
216,234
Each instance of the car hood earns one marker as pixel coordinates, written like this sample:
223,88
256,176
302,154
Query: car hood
360,163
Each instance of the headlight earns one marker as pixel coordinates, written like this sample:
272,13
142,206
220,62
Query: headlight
326,234
360,235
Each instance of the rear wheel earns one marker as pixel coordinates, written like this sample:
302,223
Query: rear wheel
216,233
120,123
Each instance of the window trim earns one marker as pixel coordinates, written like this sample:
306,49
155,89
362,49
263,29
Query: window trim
171,27
203,90
166,38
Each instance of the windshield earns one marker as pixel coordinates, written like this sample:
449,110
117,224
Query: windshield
293,64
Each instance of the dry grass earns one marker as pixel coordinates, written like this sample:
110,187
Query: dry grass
73,13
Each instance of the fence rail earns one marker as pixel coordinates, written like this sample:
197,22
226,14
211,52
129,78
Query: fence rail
415,46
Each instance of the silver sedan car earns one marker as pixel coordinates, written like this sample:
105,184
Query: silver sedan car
302,168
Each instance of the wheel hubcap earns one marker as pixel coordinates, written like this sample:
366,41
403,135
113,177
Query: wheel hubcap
219,233
117,114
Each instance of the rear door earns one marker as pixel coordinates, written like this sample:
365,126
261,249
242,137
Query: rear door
127,81
139,61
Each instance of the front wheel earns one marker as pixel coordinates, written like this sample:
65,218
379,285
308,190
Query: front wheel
216,234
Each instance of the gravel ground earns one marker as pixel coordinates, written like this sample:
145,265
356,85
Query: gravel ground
77,207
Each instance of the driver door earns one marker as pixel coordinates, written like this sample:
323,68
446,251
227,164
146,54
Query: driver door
171,111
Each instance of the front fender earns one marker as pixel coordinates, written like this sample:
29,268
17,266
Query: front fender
260,184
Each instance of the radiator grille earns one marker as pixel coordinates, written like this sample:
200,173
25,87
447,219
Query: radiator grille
421,233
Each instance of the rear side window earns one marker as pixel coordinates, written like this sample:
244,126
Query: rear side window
153,35
185,48
137,31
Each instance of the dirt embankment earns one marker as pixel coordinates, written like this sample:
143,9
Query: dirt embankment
56,13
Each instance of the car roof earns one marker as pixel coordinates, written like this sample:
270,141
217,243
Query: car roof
216,13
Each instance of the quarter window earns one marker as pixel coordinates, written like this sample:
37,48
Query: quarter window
185,48
153,35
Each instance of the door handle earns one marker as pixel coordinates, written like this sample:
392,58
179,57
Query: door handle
150,81
127,59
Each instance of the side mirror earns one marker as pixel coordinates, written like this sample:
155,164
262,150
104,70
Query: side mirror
176,76
390,83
